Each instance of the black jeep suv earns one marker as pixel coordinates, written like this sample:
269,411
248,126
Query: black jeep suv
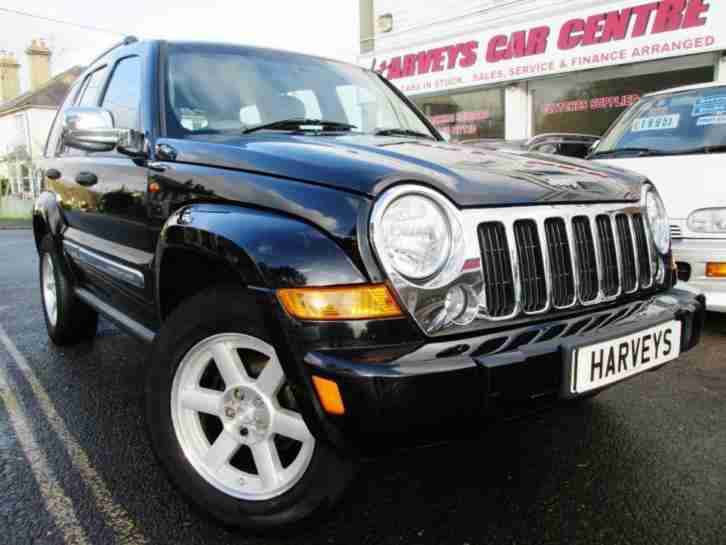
321,276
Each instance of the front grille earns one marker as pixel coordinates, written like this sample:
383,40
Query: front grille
627,253
608,257
537,262
586,260
676,231
497,268
558,245
531,266
641,246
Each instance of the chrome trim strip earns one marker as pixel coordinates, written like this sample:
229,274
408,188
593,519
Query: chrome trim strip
138,330
636,255
116,270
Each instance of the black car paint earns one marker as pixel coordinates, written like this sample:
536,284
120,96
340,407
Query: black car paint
264,205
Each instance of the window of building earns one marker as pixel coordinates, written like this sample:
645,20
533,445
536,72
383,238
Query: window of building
123,95
466,116
91,88
588,102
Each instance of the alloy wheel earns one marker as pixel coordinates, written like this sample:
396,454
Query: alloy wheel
234,423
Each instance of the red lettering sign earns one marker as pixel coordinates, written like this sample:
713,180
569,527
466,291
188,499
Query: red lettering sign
597,28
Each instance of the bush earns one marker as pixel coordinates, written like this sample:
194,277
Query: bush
4,187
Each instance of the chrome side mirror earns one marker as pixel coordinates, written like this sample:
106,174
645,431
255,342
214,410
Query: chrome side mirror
92,129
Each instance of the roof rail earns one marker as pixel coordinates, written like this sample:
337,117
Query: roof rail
126,41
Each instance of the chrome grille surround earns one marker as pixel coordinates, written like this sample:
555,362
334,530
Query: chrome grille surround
540,214
467,268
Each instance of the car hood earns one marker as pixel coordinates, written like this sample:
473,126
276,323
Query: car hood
367,165
686,182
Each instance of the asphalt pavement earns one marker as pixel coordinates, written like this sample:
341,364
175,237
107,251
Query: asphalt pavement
643,463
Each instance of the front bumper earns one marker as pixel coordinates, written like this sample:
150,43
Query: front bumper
695,253
408,394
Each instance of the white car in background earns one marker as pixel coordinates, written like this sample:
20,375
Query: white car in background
677,138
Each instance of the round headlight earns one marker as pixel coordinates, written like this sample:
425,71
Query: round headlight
658,220
417,236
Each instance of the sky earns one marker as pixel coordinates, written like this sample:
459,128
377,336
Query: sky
323,27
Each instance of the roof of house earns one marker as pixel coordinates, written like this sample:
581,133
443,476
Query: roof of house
50,95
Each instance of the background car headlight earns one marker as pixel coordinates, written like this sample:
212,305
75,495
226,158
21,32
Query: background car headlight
657,220
417,236
708,220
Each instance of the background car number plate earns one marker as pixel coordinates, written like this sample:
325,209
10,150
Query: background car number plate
604,363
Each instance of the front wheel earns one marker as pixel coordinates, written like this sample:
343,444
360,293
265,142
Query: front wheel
225,423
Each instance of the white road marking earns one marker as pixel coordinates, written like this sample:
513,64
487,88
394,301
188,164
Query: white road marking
115,515
58,505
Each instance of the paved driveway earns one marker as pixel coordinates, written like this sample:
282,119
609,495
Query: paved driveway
644,463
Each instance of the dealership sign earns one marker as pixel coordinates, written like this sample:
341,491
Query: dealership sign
626,32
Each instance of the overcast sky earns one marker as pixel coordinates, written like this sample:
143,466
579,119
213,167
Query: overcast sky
323,27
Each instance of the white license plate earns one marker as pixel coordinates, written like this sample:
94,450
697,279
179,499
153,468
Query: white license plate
604,363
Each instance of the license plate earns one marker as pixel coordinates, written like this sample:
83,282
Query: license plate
598,365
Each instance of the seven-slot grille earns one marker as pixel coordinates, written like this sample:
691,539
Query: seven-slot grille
533,264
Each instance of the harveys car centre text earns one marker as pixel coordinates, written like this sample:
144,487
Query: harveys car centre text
529,68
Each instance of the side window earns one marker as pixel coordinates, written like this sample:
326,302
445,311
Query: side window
91,88
123,95
53,141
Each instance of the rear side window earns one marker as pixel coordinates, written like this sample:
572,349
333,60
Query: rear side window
91,88
123,95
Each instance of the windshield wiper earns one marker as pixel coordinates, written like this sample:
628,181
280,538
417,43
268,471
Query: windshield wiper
703,149
642,151
401,132
300,123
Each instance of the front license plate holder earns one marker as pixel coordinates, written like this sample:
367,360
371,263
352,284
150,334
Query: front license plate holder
597,363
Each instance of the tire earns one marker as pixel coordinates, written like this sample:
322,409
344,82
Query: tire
68,319
194,352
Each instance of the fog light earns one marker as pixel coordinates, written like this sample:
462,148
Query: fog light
716,270
460,305
455,303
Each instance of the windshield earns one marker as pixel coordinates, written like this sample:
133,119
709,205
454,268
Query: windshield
223,89
683,122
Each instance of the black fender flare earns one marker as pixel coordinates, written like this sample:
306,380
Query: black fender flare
269,251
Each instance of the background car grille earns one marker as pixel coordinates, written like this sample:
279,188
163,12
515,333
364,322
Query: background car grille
531,265
676,231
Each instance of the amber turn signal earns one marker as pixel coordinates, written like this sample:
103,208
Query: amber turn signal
716,270
340,303
329,395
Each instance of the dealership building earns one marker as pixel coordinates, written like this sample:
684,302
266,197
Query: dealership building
517,68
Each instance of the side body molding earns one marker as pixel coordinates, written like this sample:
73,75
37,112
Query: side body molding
268,249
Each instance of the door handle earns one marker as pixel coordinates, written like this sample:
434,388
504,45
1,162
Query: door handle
53,173
86,179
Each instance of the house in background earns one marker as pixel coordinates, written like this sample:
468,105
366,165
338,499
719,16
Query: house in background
25,119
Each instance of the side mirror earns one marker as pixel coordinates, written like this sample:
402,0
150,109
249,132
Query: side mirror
92,129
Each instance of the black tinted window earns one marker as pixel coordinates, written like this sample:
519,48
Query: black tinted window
91,88
123,95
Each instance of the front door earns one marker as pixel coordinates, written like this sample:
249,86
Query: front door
103,197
